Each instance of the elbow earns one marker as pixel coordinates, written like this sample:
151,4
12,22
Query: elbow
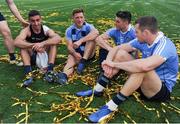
98,39
58,40
96,33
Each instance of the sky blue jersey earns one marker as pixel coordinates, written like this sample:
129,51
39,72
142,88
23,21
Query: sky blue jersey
74,34
120,37
164,47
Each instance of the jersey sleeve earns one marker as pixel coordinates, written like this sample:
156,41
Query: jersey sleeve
110,32
90,27
165,49
135,43
68,34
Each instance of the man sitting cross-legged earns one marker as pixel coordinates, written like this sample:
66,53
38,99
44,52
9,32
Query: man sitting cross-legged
34,42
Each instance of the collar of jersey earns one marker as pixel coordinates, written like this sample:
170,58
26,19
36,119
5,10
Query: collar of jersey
129,28
78,29
160,35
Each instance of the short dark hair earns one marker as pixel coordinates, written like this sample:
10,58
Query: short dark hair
79,10
148,22
125,15
33,13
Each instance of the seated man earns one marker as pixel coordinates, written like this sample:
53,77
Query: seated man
154,75
6,33
34,40
122,33
80,44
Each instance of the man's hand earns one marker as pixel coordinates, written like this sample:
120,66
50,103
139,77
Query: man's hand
77,56
24,24
38,46
108,67
77,44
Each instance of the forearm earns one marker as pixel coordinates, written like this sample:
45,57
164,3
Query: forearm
104,44
14,10
91,36
138,65
52,41
112,53
23,44
129,67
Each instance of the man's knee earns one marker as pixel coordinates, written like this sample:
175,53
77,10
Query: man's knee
98,39
6,33
122,55
91,43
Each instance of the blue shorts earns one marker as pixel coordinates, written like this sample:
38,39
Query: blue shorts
2,17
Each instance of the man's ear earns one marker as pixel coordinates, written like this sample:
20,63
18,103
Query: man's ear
146,32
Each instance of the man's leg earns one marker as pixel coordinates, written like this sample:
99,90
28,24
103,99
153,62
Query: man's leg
25,55
102,56
90,49
88,53
52,57
69,67
68,70
149,83
8,41
104,79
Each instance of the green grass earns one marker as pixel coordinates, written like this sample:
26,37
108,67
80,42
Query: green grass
167,12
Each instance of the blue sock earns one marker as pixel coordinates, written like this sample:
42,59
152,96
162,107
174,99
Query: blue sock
12,56
50,66
27,69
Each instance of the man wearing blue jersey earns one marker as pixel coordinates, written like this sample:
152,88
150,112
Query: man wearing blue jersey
80,39
153,76
122,33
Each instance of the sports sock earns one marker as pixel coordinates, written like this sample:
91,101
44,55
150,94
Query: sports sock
102,82
50,66
118,99
27,69
12,56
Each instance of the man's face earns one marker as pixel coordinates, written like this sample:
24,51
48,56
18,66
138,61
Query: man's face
120,23
140,34
35,21
79,19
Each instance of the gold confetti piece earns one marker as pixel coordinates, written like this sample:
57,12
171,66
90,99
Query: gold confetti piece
171,107
19,115
138,100
27,115
36,93
166,120
157,113
127,115
90,100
